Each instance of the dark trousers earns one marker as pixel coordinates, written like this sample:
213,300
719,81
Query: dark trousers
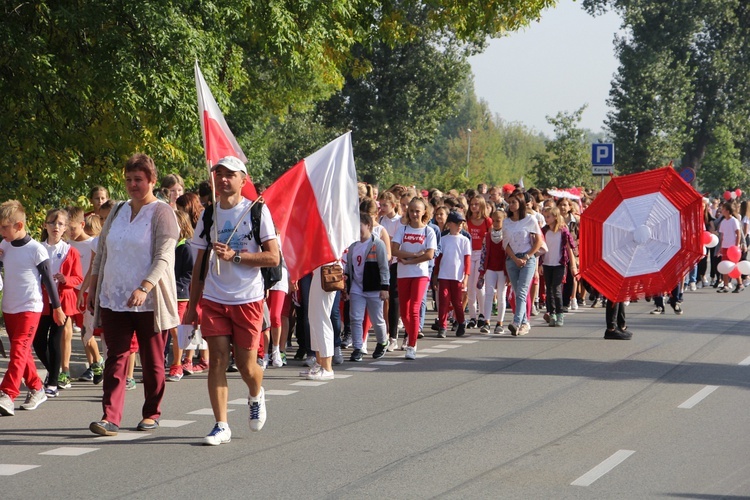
394,313
615,315
553,283
48,347
675,296
567,291
118,332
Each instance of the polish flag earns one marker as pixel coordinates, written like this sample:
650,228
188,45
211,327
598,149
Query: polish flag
218,140
315,206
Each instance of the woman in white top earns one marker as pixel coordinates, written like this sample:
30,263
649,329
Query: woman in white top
731,235
414,246
522,240
133,289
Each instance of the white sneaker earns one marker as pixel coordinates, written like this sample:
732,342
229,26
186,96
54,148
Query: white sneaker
699,284
573,305
7,408
392,345
364,349
218,435
523,329
263,362
276,360
320,375
310,361
693,287
499,330
411,353
257,411
315,368
404,344
34,399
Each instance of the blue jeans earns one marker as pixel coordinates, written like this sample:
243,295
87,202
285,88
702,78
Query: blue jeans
520,280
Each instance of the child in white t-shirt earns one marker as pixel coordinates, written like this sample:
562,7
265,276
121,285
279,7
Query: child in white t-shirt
451,273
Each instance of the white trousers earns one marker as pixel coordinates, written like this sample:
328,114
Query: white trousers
494,281
319,317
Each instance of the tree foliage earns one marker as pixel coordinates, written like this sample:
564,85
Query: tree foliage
565,162
722,167
85,84
683,73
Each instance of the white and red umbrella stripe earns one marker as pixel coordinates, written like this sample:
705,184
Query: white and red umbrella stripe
641,234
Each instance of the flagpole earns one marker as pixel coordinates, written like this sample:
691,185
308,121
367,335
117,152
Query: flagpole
215,228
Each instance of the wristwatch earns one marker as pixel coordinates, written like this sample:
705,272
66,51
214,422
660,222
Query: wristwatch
143,289
236,259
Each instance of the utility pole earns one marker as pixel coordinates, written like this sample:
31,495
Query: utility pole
468,153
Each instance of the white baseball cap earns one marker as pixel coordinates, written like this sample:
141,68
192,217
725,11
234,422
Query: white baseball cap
231,163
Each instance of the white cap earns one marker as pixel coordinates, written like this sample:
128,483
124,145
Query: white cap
231,163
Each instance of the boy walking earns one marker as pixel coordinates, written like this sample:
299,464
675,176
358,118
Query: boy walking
26,265
232,294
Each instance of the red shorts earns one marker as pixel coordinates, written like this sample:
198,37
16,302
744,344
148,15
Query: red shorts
182,306
243,322
133,344
724,252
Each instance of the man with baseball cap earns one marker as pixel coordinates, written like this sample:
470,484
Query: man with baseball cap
231,294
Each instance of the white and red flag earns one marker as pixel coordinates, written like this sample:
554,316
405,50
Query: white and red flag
218,140
315,207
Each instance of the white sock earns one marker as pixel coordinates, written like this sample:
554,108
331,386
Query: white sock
223,425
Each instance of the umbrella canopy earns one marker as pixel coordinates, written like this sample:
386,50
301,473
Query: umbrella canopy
641,234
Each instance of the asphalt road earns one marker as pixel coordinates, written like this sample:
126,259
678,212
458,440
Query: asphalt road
561,413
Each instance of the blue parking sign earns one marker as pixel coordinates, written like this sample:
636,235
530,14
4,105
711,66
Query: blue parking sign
602,155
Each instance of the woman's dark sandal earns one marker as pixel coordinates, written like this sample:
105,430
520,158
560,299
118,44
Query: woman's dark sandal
147,426
103,428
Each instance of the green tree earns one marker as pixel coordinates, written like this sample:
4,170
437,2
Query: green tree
566,161
722,167
683,72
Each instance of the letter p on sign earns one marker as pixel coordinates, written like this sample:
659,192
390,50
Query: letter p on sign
602,154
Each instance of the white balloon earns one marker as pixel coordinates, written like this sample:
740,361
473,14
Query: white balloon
733,195
725,266
714,241
744,267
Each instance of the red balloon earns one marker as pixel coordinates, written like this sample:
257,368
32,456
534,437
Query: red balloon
727,195
738,192
735,273
734,254
706,238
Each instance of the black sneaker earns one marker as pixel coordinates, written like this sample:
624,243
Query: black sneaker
617,334
300,354
461,330
356,355
481,322
379,351
472,324
441,333
436,325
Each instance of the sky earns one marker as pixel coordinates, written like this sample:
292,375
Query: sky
558,64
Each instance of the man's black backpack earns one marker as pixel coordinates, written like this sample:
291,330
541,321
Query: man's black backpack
271,275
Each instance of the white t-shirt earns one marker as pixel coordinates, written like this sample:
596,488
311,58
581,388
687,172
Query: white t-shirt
728,228
86,248
552,257
391,225
236,283
454,249
415,240
57,254
25,292
517,234
128,259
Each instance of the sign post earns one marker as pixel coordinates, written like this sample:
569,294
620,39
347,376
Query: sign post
602,160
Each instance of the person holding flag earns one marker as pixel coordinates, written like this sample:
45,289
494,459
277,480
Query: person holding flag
230,290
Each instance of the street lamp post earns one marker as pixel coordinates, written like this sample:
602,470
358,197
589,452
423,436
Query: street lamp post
468,153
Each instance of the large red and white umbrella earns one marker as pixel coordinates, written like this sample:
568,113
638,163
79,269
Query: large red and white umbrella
641,234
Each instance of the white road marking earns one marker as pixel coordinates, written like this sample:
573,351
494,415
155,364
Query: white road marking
464,341
12,469
446,346
430,351
69,451
698,396
205,411
745,362
174,423
616,459
362,369
279,392
309,383
386,363
124,436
